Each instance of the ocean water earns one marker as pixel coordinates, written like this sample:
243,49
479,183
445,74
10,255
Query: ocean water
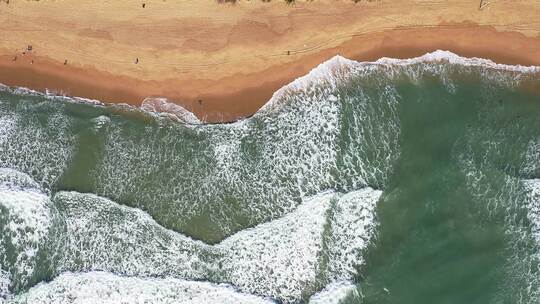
396,181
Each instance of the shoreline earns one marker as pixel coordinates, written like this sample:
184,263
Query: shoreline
164,106
234,93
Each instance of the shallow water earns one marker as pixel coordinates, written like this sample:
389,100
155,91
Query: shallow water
401,181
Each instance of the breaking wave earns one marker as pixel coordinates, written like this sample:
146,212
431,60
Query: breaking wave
101,287
102,203
78,232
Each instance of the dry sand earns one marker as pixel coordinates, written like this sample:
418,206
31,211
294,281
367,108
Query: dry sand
223,61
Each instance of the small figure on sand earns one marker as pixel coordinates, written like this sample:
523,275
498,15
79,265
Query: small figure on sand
137,60
65,62
200,102
29,48
288,52
143,5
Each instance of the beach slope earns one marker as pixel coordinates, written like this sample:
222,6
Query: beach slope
223,61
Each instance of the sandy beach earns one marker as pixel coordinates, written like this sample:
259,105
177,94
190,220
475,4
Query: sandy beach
223,61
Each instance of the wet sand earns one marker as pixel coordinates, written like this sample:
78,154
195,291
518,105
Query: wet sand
225,63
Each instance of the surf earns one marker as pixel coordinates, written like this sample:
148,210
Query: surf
302,201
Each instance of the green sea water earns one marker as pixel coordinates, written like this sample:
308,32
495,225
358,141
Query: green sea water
412,181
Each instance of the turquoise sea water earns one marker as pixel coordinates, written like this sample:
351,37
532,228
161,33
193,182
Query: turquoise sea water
400,181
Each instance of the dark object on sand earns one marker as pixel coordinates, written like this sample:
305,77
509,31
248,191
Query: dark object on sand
29,47
136,60
65,62
143,5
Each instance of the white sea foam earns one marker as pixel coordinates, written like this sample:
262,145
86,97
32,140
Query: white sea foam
533,195
264,166
24,223
162,105
532,188
506,197
5,282
100,123
326,74
11,179
39,146
50,95
279,258
107,288
8,123
531,163
335,293
102,235
352,226
282,258
338,68
447,56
